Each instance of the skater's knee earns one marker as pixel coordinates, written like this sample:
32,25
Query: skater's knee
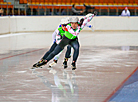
57,51
69,47
59,48
62,47
49,52
76,48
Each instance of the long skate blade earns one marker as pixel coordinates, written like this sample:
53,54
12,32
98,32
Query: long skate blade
36,67
52,64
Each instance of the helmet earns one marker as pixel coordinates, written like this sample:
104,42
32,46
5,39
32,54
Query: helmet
73,19
64,20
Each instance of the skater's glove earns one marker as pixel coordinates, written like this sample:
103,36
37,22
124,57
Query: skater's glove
90,26
54,41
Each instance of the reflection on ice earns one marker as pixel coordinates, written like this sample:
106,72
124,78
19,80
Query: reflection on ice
62,91
125,48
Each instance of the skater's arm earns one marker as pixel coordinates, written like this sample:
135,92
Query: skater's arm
54,35
82,18
89,18
58,38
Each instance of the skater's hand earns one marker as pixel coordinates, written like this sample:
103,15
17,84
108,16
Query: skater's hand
54,41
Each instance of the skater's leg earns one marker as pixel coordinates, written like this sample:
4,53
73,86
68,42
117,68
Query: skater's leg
68,52
50,50
55,60
65,41
67,55
57,50
46,54
71,51
75,45
57,56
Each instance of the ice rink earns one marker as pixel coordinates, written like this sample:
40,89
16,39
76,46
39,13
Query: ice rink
107,60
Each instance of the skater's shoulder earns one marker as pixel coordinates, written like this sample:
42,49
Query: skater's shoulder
69,24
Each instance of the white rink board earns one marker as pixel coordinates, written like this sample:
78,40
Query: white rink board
12,24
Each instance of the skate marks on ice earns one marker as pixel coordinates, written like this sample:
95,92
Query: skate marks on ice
99,71
106,68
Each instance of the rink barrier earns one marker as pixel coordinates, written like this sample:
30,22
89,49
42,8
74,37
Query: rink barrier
12,38
16,24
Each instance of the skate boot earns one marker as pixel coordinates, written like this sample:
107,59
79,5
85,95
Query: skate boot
73,65
39,64
65,63
53,63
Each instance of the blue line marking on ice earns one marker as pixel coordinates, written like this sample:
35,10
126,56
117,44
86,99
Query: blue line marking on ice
128,92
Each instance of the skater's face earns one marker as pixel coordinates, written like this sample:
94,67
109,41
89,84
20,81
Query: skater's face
74,25
64,26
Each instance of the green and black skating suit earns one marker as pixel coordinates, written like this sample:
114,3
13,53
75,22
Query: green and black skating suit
70,38
57,36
